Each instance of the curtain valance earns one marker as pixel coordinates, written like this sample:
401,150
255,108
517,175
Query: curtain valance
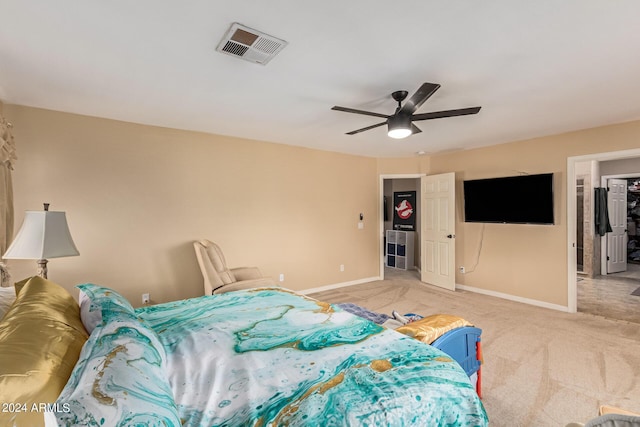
7,159
7,144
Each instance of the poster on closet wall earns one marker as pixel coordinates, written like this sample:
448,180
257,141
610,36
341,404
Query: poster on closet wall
404,211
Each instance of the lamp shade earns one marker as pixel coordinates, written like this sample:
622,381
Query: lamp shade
44,234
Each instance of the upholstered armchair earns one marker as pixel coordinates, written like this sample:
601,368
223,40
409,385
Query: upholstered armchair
610,416
218,278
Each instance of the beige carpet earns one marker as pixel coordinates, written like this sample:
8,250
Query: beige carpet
542,367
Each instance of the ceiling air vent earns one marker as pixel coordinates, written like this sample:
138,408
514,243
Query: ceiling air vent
250,45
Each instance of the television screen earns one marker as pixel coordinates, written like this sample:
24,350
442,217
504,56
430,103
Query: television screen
524,199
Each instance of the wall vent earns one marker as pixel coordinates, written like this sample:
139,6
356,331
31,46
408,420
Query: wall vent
249,44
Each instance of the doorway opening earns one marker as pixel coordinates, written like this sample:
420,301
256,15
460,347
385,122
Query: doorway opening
580,210
589,279
404,259
623,243
434,252
633,222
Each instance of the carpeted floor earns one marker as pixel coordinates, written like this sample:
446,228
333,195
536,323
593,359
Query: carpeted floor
542,367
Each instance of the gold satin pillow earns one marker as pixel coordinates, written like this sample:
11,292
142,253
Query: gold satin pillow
432,327
41,337
7,297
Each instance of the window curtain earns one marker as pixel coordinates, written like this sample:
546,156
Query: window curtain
7,159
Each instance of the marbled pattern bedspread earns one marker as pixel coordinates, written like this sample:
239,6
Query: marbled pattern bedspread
272,357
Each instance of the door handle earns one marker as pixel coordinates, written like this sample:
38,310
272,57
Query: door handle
451,236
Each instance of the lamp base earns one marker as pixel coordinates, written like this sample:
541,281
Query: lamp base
42,268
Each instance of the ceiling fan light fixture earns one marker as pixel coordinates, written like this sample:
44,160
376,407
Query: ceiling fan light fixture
399,126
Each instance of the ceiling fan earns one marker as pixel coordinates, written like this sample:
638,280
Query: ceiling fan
400,124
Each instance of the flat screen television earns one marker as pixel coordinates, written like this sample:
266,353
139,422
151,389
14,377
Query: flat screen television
524,199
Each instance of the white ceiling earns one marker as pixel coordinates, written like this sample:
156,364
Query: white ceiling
536,67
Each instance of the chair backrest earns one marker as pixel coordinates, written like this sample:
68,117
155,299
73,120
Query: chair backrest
212,265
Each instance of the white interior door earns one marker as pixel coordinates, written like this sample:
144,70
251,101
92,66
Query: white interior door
437,230
617,239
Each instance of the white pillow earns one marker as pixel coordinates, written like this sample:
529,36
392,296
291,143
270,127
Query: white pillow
92,300
90,316
7,297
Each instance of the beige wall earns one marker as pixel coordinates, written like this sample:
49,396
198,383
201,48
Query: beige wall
136,196
620,167
411,165
528,261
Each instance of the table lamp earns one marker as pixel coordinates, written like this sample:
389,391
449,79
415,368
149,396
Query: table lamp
44,234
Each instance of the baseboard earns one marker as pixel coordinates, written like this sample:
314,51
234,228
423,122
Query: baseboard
514,298
458,286
338,285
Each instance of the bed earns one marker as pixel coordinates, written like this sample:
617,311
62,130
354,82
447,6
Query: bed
262,357
452,334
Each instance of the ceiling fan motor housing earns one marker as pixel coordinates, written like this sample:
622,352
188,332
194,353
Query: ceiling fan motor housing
399,95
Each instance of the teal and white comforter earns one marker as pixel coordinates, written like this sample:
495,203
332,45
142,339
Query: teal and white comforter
261,357
268,357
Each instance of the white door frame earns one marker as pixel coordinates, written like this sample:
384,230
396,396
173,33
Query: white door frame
572,273
381,208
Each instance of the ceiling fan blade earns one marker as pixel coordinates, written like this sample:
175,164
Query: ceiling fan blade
446,113
418,98
414,129
353,110
353,132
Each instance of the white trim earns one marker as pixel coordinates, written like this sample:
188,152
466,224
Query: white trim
338,285
605,178
382,177
609,155
458,286
572,288
572,256
514,298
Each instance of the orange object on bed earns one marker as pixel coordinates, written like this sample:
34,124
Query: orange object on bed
430,328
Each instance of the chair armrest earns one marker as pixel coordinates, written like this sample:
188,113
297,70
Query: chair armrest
246,273
246,284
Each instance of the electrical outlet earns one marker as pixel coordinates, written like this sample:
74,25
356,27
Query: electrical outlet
341,267
282,277
462,270
145,299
